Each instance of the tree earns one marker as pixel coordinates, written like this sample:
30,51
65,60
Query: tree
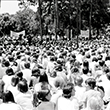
98,14
5,24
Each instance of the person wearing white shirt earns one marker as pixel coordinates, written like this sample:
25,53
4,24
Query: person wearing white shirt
9,102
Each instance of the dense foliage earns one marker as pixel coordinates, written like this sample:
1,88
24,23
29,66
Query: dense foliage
56,17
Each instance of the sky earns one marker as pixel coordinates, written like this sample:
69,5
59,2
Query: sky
10,6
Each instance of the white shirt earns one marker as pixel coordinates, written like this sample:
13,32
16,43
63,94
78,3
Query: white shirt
67,104
25,100
27,75
10,106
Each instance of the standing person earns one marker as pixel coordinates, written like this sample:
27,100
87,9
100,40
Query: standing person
7,78
27,72
9,102
105,84
90,91
67,101
25,96
79,88
44,96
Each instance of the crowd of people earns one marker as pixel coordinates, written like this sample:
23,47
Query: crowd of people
55,76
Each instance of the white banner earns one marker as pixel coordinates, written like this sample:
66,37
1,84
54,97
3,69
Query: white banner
16,34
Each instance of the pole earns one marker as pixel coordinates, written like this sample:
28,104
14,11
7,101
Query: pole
77,23
56,17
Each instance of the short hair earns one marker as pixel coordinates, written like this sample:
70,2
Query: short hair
67,90
101,63
78,80
23,86
6,63
42,94
43,78
95,103
8,97
14,81
91,82
85,70
36,72
27,65
10,71
19,74
86,63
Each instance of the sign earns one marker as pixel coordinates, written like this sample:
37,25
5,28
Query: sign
16,34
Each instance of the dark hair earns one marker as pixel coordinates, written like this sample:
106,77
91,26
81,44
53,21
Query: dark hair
43,78
101,63
85,70
36,72
27,65
67,90
23,86
19,75
101,88
94,59
10,72
108,76
14,81
91,82
86,63
6,63
42,94
8,96
11,58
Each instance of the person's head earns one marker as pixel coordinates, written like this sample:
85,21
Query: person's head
19,75
14,81
95,103
43,78
9,71
8,97
85,71
101,63
91,83
59,82
44,95
23,86
27,65
36,72
78,80
68,90
86,63
6,63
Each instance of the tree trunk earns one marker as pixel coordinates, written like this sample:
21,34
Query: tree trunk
56,17
90,16
40,19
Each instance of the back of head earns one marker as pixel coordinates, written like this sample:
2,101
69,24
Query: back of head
95,103
91,82
27,65
67,90
8,97
23,86
10,71
14,81
43,78
19,75
78,80
36,72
